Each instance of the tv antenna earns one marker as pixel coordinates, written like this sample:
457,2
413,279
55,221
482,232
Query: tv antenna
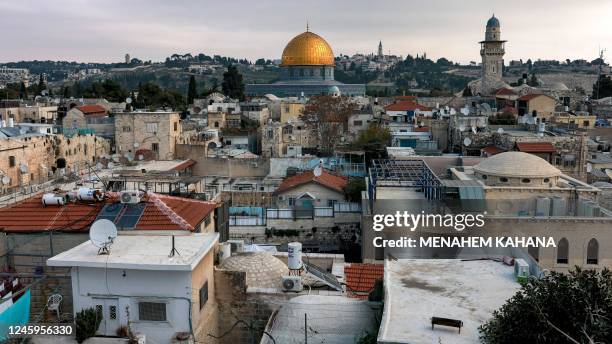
102,234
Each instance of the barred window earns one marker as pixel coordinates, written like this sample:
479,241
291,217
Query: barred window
152,311
203,294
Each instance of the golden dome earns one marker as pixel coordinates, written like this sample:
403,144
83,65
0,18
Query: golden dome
308,49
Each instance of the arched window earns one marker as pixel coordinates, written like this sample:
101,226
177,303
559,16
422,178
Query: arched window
592,252
562,251
534,252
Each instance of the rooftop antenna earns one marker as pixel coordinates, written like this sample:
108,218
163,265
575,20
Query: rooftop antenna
102,234
174,250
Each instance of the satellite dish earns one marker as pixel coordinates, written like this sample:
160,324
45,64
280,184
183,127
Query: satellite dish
102,234
136,144
462,127
6,180
23,168
318,171
474,130
589,167
467,141
465,111
111,165
128,100
609,173
500,130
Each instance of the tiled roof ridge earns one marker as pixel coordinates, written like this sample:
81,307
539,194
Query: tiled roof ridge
164,208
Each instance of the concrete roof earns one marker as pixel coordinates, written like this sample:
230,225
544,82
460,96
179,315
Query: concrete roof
418,289
141,252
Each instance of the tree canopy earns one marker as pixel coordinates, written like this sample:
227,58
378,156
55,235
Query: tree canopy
328,116
192,90
107,89
602,87
233,85
560,308
373,142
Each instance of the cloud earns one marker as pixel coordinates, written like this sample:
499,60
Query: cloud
105,30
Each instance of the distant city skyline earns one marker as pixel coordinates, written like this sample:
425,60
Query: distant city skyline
104,31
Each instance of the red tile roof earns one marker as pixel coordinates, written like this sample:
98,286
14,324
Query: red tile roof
326,179
536,147
421,129
161,213
411,98
360,278
92,110
531,96
406,106
492,150
185,164
505,92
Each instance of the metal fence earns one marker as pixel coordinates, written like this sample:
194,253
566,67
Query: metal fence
250,216
347,207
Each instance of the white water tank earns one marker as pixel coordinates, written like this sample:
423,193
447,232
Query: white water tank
54,199
225,251
294,256
89,194
10,122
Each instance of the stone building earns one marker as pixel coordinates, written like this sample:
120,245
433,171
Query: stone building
37,113
492,51
156,132
89,119
288,139
31,159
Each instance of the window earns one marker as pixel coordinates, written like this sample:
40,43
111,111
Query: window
330,202
503,179
12,161
526,180
358,123
562,251
151,311
155,147
287,130
585,124
216,124
270,134
484,177
546,180
127,129
152,127
593,252
203,294
112,311
175,126
291,201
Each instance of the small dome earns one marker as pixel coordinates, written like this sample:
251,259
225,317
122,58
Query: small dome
334,91
493,22
517,165
558,86
308,49
263,270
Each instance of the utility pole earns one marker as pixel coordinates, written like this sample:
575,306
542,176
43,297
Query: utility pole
305,328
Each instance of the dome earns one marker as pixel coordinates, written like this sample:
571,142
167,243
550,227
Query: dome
517,164
493,22
333,90
308,49
558,86
263,270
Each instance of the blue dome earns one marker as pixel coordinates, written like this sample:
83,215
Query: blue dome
493,22
333,90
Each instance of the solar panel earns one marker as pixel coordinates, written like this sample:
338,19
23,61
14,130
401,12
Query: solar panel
130,216
110,212
323,276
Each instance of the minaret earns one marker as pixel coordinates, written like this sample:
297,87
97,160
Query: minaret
492,52
380,50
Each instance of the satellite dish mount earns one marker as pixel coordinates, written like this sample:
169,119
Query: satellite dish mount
102,234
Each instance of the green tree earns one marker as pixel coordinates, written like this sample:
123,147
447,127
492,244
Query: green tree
602,87
23,91
108,89
353,189
233,85
66,91
41,85
555,308
373,142
192,91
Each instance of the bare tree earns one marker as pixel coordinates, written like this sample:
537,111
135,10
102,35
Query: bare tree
327,117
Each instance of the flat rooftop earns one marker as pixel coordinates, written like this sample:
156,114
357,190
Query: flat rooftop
418,289
141,252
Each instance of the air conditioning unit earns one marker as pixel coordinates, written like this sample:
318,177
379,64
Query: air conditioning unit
130,196
237,245
292,283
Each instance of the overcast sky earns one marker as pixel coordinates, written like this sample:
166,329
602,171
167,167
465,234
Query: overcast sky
104,31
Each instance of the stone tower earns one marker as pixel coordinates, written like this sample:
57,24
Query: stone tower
380,50
492,52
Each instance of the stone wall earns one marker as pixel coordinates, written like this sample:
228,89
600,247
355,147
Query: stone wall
28,254
222,166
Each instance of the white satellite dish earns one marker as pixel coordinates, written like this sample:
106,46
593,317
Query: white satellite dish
609,173
128,100
467,141
318,171
102,234
465,111
6,180
462,127
500,130
136,144
111,165
474,130
23,168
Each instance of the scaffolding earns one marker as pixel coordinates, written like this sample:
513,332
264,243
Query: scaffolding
405,173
